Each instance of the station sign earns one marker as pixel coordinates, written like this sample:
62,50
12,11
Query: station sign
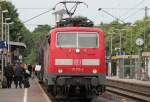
3,44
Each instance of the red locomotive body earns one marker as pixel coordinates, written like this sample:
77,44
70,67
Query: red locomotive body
73,62
76,50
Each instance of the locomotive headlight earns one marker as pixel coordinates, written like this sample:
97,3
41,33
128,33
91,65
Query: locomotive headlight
77,50
94,71
60,70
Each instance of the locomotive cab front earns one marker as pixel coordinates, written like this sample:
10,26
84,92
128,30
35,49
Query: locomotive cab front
76,61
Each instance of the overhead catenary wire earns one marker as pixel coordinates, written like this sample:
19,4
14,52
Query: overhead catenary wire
135,13
100,9
38,15
123,8
135,6
55,7
103,8
33,8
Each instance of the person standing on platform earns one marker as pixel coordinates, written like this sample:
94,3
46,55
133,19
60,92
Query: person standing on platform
33,71
18,75
26,76
30,69
9,73
25,66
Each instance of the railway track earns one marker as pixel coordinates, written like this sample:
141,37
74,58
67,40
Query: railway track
106,97
53,99
96,99
128,94
113,94
113,97
138,92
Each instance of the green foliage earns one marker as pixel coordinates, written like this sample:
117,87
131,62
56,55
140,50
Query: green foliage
18,32
17,26
33,40
128,34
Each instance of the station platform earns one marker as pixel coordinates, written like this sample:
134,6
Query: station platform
134,81
33,94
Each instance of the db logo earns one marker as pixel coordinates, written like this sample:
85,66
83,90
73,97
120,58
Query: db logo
77,62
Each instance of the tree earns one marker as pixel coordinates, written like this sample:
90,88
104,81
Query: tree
17,29
33,40
17,26
128,35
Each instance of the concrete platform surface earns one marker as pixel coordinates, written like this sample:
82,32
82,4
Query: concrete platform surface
33,94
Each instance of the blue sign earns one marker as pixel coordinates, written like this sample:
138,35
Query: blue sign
3,44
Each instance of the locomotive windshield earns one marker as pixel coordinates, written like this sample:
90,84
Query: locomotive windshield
77,39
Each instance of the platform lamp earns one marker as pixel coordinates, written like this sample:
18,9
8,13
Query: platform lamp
2,38
145,35
4,11
5,37
8,38
131,37
6,19
139,42
120,38
131,50
110,55
146,69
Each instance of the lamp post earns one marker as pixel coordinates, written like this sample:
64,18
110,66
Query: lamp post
5,37
120,39
145,31
2,38
146,48
110,55
131,40
131,51
8,38
117,49
6,19
120,62
131,26
139,42
4,11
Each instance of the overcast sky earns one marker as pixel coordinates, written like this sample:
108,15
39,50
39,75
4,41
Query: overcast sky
119,8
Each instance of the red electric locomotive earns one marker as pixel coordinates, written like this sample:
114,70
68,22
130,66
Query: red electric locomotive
73,60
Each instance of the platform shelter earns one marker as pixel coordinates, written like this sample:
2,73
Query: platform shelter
125,66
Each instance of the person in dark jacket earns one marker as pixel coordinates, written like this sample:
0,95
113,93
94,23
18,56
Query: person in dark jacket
18,75
26,78
9,73
30,69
